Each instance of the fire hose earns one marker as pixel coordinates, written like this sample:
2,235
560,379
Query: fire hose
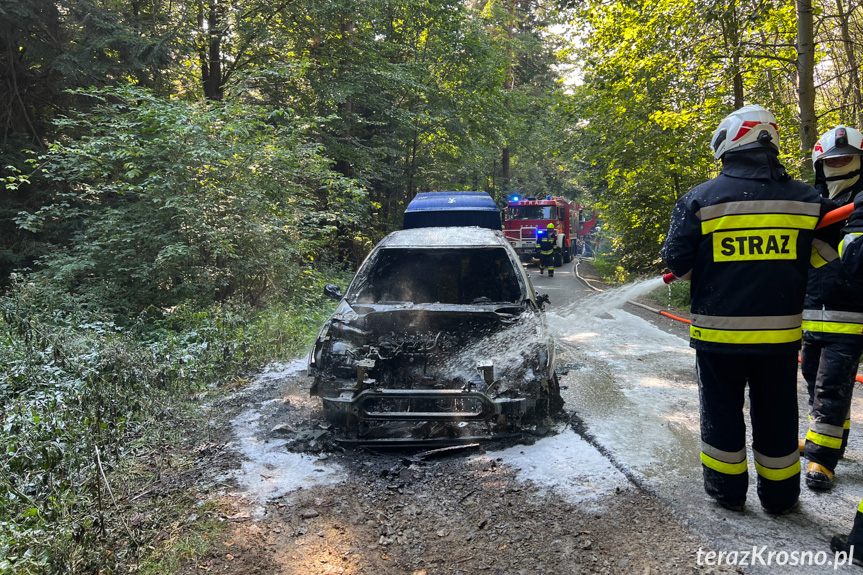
684,320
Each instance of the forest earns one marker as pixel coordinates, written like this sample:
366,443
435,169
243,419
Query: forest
180,179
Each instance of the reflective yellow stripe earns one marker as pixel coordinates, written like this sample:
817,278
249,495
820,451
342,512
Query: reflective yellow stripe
824,440
847,241
778,474
722,467
860,507
822,253
750,221
815,259
833,327
747,337
847,424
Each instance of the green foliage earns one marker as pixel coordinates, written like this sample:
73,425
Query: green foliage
167,202
74,383
674,295
658,79
610,270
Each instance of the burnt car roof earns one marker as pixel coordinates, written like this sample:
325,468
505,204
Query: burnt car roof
453,237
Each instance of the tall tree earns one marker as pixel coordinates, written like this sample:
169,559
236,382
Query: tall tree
806,75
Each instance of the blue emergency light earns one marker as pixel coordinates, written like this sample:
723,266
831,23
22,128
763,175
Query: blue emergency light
514,199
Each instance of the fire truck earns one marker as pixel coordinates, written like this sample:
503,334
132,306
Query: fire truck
526,217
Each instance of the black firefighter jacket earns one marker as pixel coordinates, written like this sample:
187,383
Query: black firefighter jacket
744,240
834,296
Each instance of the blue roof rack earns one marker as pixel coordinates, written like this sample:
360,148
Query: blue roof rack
448,209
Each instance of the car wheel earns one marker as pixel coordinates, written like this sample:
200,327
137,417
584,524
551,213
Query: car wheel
558,260
567,254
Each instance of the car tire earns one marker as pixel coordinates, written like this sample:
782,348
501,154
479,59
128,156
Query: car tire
558,259
567,254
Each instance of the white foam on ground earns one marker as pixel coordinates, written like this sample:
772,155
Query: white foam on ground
270,471
280,370
565,462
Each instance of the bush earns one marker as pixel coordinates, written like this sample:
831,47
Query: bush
674,295
76,385
609,269
188,245
157,202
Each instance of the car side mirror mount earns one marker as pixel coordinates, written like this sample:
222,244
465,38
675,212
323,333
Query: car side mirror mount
333,291
541,300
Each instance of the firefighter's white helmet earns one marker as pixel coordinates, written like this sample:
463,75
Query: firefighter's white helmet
838,141
748,127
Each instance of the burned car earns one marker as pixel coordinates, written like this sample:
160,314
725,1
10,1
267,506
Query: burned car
440,330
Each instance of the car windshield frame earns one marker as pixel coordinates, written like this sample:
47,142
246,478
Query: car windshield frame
476,275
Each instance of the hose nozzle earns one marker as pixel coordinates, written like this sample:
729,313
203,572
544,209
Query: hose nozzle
668,278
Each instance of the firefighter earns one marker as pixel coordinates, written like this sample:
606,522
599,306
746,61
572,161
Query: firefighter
851,257
744,241
546,245
833,314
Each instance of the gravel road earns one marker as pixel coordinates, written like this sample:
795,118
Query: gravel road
612,487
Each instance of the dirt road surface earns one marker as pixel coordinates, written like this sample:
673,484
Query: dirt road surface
614,486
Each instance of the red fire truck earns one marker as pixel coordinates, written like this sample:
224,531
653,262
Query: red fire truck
526,217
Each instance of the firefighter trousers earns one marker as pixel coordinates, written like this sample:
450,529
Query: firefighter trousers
772,380
855,538
546,260
829,369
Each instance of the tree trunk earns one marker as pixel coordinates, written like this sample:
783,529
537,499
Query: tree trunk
504,168
731,35
507,86
343,166
806,76
211,54
851,65
738,82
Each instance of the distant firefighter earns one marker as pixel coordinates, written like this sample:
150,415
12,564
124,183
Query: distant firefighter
547,244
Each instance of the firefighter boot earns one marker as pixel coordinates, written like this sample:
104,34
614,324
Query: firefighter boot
853,540
550,272
842,543
819,477
541,269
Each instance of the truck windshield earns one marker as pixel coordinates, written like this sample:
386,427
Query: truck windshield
530,212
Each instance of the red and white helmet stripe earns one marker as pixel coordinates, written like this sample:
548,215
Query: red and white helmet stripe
750,126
